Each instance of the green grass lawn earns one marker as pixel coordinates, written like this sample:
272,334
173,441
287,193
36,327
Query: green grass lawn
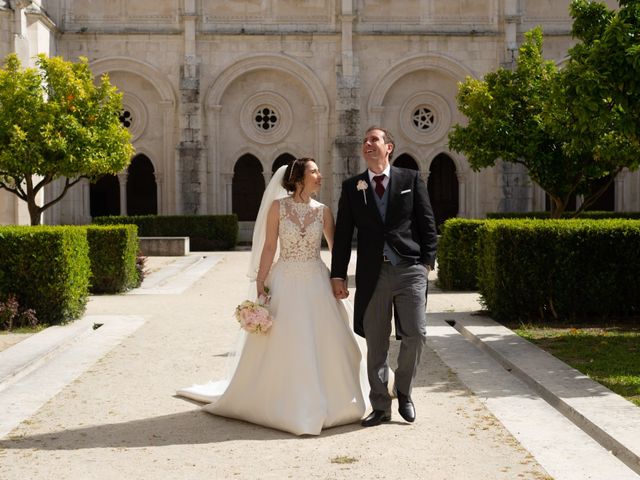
609,355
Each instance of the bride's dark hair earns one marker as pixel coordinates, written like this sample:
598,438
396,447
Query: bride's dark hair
294,173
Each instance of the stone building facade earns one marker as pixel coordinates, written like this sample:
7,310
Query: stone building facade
218,93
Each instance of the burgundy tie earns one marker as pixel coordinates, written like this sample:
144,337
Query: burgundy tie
379,186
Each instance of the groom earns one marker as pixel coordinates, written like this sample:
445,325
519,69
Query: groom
397,239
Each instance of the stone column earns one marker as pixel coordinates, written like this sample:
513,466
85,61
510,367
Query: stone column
190,169
618,182
512,17
462,194
346,151
122,180
160,192
227,189
20,41
516,188
169,161
217,196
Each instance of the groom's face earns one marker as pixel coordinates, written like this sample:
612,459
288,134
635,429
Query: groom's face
375,149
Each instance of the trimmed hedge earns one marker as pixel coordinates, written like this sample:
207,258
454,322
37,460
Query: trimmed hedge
565,269
205,232
457,254
48,270
591,215
113,251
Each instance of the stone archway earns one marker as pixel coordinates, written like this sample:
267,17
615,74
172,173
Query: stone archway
104,196
218,96
142,191
443,188
406,161
247,188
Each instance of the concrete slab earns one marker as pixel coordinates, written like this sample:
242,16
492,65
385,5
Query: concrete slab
178,276
23,394
564,450
23,356
609,418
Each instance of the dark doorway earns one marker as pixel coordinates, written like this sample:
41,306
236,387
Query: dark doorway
571,204
283,159
247,188
406,161
443,188
607,201
104,196
142,193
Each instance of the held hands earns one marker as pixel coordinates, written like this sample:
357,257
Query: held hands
339,287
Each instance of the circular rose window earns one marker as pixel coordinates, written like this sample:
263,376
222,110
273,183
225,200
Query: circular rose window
266,118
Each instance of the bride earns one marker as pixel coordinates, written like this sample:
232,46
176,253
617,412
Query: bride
305,374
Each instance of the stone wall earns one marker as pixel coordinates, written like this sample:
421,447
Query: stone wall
194,74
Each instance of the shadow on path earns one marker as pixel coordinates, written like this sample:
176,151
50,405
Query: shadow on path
187,428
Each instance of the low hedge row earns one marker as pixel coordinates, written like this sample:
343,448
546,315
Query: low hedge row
113,251
52,270
559,268
47,269
457,254
591,215
205,232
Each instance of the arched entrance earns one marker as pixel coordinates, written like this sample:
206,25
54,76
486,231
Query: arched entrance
142,193
406,161
104,196
247,188
283,159
443,188
607,201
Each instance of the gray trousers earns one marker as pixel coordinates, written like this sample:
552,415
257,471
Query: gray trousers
402,288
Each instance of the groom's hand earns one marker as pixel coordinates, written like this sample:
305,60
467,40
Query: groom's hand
339,287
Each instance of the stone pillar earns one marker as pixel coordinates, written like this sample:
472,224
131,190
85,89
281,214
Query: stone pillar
512,17
192,183
227,189
618,182
20,40
160,192
462,194
516,188
216,188
122,180
346,152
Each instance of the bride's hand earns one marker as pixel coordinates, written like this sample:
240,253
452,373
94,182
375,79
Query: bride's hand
261,290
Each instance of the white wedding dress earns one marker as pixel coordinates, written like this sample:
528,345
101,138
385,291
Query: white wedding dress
305,374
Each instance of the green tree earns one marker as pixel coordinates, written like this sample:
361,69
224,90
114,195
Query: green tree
568,127
598,95
55,122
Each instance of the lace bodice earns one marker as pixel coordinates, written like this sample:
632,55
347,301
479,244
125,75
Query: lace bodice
300,230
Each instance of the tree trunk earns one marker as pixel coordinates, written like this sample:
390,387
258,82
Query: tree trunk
35,212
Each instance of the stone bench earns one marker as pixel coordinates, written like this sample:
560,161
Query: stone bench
164,246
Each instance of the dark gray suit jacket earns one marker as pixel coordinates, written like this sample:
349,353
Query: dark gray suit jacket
409,229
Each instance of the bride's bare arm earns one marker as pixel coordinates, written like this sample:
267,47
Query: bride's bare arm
329,226
269,248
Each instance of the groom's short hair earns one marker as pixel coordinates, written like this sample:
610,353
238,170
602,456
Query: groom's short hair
388,138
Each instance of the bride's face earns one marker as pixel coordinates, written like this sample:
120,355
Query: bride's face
312,178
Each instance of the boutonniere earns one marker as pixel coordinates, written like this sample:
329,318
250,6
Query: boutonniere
362,187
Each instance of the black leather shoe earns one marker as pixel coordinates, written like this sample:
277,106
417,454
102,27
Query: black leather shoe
375,418
405,407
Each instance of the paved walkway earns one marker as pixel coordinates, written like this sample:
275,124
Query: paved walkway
95,399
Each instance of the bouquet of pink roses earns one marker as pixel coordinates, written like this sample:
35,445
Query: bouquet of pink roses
253,317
